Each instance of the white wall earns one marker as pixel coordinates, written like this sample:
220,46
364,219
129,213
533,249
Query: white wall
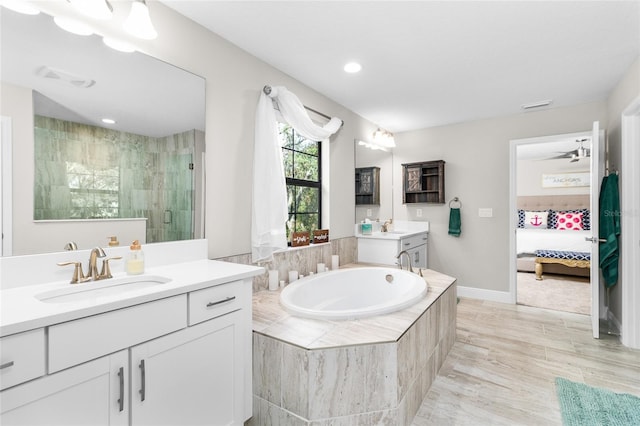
233,83
477,171
529,176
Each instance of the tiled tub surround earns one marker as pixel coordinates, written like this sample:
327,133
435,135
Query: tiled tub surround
302,259
374,370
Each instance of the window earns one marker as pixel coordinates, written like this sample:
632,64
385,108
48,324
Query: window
302,171
94,192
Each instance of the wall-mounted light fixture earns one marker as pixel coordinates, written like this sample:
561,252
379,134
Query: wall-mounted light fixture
20,6
73,26
96,9
383,139
139,23
119,45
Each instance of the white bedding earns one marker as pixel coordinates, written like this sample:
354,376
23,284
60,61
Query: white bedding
530,240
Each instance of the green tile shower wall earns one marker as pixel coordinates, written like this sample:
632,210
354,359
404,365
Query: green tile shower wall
154,173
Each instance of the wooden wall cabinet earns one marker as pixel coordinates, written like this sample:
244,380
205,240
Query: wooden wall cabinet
368,185
423,182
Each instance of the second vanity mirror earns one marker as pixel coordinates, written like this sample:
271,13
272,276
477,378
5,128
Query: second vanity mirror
148,164
374,168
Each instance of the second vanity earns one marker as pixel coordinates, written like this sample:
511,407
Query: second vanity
177,351
383,247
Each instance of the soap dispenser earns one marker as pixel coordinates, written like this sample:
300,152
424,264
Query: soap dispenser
135,259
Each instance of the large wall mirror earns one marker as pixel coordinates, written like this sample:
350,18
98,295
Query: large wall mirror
366,157
148,164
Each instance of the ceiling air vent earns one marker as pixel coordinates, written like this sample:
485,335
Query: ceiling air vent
64,77
534,105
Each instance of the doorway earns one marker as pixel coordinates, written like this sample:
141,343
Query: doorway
552,195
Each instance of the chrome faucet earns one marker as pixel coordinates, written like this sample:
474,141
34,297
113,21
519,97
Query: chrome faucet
385,225
93,260
399,257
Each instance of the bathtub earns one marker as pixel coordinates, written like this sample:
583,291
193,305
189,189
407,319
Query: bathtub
353,293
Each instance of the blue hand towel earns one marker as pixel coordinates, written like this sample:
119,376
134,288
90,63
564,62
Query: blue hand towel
454,222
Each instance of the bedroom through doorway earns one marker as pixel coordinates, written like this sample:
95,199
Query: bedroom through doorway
553,193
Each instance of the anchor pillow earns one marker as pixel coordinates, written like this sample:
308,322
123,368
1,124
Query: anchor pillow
535,220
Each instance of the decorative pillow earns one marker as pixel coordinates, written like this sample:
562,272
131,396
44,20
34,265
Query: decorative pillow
586,219
520,218
535,220
569,221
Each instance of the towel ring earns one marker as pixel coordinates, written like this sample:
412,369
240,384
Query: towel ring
455,200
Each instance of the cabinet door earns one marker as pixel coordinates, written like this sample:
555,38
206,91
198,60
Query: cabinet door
191,377
93,393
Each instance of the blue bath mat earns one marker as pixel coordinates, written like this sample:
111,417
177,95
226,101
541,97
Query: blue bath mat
583,405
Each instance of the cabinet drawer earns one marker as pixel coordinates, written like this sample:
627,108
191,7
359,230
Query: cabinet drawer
413,241
22,357
214,301
84,339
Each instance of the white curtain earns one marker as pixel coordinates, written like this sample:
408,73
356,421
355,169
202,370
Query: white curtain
270,211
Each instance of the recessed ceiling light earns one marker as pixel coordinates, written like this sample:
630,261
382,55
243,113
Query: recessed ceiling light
73,26
108,121
352,67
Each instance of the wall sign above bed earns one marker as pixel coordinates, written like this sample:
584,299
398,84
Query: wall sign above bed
564,180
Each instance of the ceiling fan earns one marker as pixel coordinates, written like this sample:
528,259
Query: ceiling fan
576,154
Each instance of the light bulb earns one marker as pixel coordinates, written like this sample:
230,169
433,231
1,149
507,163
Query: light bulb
139,23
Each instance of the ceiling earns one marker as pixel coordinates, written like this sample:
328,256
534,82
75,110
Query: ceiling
144,95
430,63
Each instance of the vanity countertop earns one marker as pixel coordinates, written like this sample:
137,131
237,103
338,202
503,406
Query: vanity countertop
401,229
20,310
392,235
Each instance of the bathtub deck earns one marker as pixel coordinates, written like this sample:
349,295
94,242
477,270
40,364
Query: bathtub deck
270,319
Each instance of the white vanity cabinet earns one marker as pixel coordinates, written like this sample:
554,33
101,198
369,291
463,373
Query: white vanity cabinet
190,377
93,393
179,360
383,248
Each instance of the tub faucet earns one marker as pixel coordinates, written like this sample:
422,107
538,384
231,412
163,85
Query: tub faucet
409,259
93,260
399,257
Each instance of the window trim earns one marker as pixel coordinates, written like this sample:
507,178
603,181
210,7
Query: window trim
319,185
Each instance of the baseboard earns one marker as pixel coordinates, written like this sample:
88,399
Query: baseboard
483,294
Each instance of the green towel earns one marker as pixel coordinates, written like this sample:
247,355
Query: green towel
454,222
609,229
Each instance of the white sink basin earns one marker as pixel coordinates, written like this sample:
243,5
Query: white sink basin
94,289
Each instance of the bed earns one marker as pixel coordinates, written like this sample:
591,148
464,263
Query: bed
545,244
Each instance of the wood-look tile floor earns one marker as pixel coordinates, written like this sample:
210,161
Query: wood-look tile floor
502,367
